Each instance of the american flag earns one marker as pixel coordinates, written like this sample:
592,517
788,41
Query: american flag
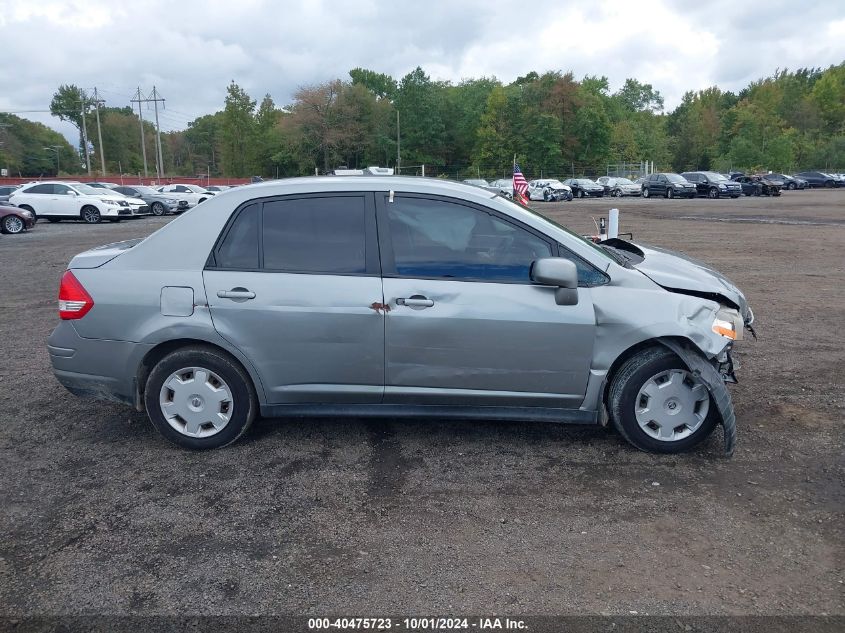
520,185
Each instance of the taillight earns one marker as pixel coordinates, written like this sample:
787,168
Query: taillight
74,301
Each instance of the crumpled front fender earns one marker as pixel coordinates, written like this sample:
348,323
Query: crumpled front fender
707,373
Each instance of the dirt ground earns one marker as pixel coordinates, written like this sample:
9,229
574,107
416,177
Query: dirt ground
98,514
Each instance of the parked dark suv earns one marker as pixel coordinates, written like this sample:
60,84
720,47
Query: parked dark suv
818,179
668,185
713,185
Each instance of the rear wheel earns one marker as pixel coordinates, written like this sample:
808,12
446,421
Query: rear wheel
658,405
12,224
199,398
91,215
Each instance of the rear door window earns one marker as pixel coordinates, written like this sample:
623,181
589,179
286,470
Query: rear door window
315,235
239,248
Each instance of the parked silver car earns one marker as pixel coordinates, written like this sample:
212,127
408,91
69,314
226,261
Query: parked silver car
397,297
618,187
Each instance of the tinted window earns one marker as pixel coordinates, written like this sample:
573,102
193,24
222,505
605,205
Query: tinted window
239,248
61,190
40,189
432,238
315,235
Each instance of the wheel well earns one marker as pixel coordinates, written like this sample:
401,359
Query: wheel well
161,350
628,353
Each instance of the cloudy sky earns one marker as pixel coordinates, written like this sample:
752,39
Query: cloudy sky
191,50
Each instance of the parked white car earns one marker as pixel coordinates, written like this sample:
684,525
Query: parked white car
193,194
58,200
504,185
549,190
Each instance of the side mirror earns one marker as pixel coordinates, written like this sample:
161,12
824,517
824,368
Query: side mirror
71,193
560,272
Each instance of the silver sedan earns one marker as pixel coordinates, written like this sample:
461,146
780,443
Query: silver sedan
391,296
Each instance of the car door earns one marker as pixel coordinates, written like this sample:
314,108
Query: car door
64,201
465,324
294,283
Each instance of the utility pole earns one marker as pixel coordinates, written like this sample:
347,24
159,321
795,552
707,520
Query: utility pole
398,152
141,118
155,99
97,103
85,134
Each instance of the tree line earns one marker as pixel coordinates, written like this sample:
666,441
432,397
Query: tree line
552,122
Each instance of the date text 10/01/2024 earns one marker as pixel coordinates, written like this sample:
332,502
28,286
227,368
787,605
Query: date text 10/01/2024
416,624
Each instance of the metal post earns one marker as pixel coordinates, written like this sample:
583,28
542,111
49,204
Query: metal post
398,145
99,132
155,100
85,135
143,143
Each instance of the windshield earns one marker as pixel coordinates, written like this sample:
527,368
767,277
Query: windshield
622,181
598,249
675,178
555,184
196,189
714,176
147,191
584,181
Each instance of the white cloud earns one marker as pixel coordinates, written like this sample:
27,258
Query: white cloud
191,50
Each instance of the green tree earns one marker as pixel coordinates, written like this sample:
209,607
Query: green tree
237,130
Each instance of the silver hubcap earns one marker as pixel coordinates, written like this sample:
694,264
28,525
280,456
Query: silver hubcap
91,215
672,405
196,402
14,224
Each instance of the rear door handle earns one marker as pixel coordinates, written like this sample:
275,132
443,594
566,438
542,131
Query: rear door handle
415,301
236,293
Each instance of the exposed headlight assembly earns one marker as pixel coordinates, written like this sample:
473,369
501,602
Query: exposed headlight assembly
728,323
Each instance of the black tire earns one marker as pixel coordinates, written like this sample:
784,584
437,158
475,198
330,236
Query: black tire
829,184
13,224
791,186
244,400
670,193
646,193
546,195
158,208
90,215
621,401
713,193
26,207
580,193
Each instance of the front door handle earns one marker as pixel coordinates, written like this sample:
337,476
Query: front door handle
236,293
415,301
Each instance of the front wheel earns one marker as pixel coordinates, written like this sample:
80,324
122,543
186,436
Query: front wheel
580,193
547,196
713,193
670,193
199,398
13,224
91,215
791,186
646,194
617,193
158,208
658,405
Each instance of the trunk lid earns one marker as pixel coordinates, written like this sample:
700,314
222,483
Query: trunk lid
100,255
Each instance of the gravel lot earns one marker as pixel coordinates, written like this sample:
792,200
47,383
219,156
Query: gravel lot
98,514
